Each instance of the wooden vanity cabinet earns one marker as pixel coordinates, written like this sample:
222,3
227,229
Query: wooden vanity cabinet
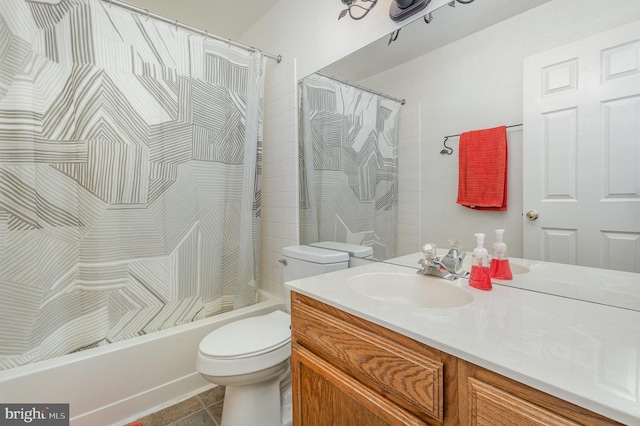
348,371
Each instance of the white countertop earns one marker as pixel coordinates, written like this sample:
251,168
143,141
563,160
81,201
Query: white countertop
583,352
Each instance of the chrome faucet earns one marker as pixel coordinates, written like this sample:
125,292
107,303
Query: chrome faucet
449,268
453,259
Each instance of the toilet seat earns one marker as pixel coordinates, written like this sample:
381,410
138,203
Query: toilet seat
246,346
248,337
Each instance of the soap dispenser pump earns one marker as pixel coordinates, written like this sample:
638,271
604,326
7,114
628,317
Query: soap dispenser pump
479,277
500,268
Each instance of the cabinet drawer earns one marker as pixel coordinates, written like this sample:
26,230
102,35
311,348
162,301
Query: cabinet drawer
410,379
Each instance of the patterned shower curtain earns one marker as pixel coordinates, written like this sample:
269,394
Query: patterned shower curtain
129,177
348,165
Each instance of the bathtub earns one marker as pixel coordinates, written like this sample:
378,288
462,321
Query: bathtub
123,381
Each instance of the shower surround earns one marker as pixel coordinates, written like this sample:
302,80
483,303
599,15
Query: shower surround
129,177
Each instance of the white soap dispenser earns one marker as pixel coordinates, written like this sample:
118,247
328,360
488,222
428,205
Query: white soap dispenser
479,277
500,268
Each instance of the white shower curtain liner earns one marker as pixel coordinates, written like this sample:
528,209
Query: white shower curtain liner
129,177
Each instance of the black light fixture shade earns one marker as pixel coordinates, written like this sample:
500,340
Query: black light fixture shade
402,9
357,4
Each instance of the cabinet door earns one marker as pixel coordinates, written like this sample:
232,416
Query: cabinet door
324,395
492,406
487,398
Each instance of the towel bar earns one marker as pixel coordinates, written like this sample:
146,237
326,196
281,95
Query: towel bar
448,150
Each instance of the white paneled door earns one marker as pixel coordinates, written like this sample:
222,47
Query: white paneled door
581,152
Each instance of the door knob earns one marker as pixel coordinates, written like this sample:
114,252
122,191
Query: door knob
532,215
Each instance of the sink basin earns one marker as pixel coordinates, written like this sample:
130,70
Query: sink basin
518,269
409,289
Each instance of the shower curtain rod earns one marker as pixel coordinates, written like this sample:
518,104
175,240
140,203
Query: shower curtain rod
508,127
146,13
366,89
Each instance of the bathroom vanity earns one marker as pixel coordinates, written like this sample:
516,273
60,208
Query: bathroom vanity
508,356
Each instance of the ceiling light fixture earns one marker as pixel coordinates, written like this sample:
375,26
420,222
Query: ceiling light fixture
354,4
402,9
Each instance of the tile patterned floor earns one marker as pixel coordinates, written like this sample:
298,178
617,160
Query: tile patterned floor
204,409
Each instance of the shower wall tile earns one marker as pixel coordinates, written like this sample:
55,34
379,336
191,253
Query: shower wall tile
279,173
409,180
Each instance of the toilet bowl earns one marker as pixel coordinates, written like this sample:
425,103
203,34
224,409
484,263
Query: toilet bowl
251,356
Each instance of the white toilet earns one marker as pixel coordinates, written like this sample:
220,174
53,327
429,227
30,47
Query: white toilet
251,356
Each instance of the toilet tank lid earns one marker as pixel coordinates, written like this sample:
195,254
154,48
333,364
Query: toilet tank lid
354,250
315,254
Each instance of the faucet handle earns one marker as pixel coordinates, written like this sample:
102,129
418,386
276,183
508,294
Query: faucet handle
430,251
455,245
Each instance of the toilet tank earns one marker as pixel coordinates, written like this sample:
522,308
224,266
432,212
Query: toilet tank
306,261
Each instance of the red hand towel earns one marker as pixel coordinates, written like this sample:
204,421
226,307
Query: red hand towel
482,180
